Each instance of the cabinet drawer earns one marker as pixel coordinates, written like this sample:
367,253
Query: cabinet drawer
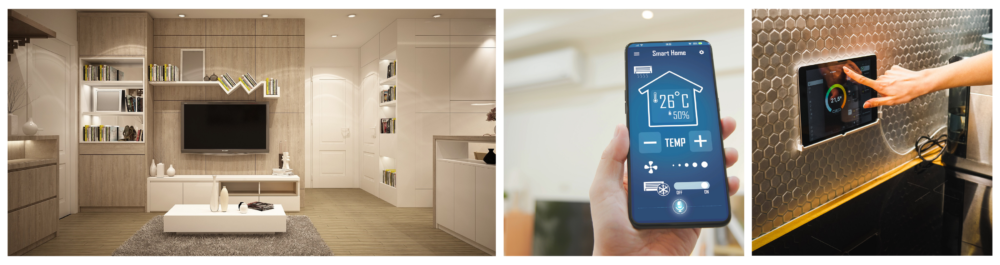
197,192
28,225
31,185
163,195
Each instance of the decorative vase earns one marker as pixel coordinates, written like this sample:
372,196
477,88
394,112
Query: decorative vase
213,202
30,128
281,162
13,126
287,158
491,158
213,77
160,170
152,168
244,208
224,199
171,171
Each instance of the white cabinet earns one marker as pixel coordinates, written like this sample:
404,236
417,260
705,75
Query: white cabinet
387,40
163,195
197,192
445,197
486,201
473,73
429,78
290,203
465,200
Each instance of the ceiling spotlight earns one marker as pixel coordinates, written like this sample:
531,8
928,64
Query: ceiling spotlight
333,36
437,15
181,15
647,14
264,15
352,15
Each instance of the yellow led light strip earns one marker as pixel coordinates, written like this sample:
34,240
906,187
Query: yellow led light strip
832,204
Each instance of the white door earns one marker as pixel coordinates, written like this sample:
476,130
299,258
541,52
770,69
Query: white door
370,174
331,134
47,69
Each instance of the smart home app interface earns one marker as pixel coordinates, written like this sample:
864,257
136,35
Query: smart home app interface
832,101
676,168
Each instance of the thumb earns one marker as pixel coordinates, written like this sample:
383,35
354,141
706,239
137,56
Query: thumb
611,167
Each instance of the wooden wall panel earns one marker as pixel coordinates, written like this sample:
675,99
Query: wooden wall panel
236,62
287,65
29,186
285,127
179,41
179,26
230,165
112,180
15,150
281,26
112,33
230,26
281,41
111,148
230,42
167,148
31,224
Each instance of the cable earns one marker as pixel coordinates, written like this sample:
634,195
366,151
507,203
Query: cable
930,143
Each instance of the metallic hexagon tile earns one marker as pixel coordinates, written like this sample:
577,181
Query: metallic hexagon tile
788,182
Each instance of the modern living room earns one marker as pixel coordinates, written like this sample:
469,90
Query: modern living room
252,132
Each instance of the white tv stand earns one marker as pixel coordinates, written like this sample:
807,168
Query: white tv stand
163,193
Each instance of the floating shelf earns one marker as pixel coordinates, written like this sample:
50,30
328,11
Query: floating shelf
112,142
112,113
184,83
388,104
388,81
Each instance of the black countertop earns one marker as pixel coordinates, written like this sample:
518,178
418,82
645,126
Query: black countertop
918,212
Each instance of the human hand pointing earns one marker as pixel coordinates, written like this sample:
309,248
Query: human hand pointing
897,86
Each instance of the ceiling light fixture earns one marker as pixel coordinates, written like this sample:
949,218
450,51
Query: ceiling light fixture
181,15
647,14
264,15
333,36
483,104
351,16
437,15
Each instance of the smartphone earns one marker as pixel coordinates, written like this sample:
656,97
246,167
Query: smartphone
676,161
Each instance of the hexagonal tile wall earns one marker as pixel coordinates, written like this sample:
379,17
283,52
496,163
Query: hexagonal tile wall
787,182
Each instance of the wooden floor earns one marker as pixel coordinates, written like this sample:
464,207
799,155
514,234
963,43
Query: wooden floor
351,221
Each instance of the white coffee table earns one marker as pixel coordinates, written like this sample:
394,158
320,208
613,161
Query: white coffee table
197,218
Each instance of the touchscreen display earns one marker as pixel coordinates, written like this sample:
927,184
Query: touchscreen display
831,103
677,175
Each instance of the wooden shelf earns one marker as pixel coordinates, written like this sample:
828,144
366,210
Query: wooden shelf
388,81
114,142
15,164
387,104
112,113
243,194
469,162
31,137
278,194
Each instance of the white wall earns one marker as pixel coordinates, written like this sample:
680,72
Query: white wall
339,64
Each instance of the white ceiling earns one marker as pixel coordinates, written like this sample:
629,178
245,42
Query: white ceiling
321,23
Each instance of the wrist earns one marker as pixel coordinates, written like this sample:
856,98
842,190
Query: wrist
930,79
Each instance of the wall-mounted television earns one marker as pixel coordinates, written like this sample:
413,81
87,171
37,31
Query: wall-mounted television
224,127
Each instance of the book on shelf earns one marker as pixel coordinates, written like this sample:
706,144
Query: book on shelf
110,133
391,70
164,72
388,125
389,94
132,100
250,78
389,177
102,72
271,86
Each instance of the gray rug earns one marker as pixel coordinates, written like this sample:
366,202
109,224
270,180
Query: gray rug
302,239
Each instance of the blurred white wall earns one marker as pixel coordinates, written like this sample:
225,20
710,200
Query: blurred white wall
554,135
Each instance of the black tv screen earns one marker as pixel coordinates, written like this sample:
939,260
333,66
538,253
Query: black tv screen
224,127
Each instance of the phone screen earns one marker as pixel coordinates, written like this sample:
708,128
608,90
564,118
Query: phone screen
676,167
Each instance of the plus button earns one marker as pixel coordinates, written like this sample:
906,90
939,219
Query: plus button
700,141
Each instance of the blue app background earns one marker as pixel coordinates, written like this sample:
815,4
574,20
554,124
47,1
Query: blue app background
673,124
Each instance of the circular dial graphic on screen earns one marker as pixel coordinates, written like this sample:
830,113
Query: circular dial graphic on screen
835,98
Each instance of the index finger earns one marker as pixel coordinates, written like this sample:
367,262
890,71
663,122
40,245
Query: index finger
860,78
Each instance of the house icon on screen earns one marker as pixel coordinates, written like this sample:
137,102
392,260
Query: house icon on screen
671,101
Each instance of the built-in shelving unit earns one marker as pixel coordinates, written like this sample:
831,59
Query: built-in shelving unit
387,141
276,94
183,83
134,79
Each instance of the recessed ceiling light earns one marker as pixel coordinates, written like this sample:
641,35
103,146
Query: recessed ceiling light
352,15
483,104
333,36
181,15
647,14
437,15
264,15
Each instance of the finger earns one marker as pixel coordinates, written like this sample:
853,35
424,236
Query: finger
734,185
860,78
610,170
731,156
728,127
875,102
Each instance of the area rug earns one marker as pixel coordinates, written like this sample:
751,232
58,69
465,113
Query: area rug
302,239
